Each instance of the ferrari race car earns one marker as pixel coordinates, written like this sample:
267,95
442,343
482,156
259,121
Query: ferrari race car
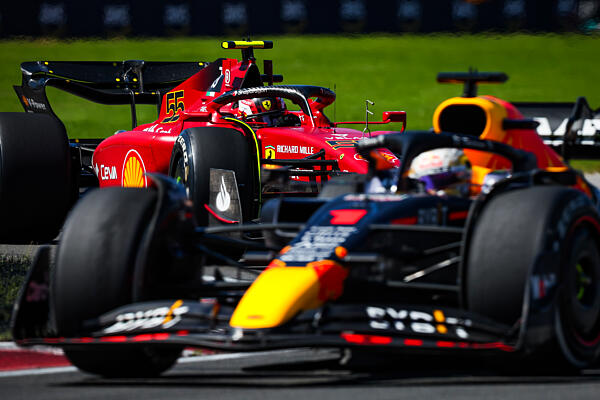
212,118
383,260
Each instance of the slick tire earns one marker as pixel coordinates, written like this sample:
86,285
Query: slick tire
125,361
523,231
197,150
93,275
35,177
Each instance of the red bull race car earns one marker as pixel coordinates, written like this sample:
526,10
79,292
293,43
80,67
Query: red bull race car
212,116
496,255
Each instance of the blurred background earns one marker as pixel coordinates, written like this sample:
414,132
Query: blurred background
97,18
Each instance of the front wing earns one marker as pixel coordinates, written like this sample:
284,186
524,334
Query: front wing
206,324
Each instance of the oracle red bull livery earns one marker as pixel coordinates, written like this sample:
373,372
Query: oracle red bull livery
218,124
482,241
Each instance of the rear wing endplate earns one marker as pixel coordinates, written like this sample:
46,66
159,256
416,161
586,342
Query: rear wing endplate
106,82
572,129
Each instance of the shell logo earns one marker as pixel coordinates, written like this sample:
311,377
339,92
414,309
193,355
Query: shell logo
133,170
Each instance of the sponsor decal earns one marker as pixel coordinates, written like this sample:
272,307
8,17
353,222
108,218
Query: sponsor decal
388,157
404,320
164,317
338,136
269,152
347,217
342,143
318,243
358,157
134,171
375,197
266,104
105,172
282,148
223,197
156,128
34,105
590,127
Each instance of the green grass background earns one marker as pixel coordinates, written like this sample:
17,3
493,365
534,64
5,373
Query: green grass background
396,72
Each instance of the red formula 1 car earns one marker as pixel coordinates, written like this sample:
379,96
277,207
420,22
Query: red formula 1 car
217,125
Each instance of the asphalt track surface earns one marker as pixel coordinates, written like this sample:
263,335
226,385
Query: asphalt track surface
305,374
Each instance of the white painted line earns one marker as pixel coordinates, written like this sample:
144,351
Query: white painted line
10,346
37,371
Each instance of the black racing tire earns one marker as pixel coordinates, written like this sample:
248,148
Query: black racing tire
124,362
197,150
520,228
94,272
35,177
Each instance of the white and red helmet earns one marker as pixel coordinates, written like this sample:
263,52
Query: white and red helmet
249,107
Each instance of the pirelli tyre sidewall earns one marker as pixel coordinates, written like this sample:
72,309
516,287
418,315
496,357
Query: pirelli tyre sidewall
197,150
535,251
35,177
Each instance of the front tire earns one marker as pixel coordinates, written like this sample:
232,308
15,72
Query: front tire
94,273
197,150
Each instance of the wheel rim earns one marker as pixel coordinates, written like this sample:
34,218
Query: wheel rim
579,311
179,174
584,301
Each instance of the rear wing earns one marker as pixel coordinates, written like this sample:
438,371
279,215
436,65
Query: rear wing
572,129
120,82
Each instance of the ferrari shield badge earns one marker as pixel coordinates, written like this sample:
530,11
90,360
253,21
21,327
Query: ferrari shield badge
266,104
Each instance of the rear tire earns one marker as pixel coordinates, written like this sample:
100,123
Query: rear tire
197,150
35,177
94,274
521,228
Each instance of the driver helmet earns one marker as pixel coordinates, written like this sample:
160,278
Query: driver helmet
259,105
443,171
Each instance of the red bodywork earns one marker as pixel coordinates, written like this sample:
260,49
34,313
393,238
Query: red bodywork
125,157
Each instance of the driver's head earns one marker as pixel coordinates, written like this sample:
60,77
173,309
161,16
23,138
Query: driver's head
443,171
259,105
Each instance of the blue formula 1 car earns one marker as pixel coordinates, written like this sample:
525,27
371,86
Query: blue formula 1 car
384,260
